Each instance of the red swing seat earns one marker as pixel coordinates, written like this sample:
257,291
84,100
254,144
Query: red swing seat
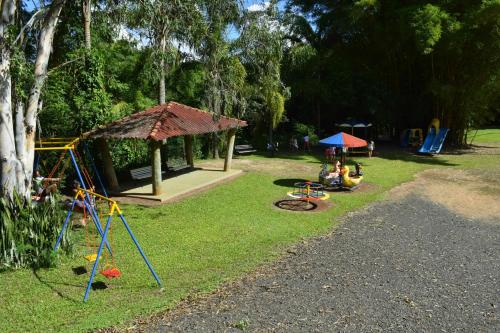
111,273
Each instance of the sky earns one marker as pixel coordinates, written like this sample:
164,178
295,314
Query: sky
232,33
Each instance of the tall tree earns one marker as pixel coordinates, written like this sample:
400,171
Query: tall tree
222,91
164,25
18,142
260,47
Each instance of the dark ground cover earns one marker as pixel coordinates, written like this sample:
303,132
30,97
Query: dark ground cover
397,266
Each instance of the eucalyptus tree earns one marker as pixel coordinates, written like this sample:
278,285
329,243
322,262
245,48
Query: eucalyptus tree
225,75
260,47
163,26
17,122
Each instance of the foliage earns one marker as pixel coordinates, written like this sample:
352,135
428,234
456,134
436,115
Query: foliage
129,153
260,47
430,23
394,63
28,233
302,130
91,101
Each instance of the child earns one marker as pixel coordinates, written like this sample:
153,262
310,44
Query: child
43,190
371,146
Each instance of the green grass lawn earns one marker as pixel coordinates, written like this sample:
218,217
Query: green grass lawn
484,136
195,245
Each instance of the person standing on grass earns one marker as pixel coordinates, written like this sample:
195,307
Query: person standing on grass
295,144
371,146
330,154
306,143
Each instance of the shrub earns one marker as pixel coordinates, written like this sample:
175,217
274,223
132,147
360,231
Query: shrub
28,233
303,129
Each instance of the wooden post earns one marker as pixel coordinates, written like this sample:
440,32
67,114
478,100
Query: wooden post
156,166
231,134
109,170
188,149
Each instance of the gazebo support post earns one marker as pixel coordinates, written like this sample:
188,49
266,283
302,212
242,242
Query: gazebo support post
231,134
188,149
109,170
156,166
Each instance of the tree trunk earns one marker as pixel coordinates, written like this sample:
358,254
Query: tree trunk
231,134
162,92
86,22
318,114
156,166
215,145
188,149
109,170
271,144
44,49
7,145
23,182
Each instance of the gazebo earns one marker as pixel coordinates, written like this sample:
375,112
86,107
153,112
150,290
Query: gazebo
157,124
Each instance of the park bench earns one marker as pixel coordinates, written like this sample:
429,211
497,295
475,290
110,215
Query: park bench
147,171
244,149
177,165
141,173
363,151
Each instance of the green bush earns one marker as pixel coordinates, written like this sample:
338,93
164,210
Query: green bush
302,129
28,233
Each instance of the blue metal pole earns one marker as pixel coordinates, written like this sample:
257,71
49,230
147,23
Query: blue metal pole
96,262
37,162
97,224
139,248
59,238
98,175
90,206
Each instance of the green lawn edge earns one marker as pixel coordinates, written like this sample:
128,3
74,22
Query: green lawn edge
196,245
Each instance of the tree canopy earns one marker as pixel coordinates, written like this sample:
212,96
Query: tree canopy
395,63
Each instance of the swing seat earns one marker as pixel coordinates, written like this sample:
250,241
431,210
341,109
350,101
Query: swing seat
111,273
92,257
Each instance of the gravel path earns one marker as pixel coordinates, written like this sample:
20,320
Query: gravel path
398,266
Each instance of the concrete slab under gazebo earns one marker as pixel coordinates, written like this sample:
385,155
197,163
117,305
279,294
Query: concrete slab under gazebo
156,125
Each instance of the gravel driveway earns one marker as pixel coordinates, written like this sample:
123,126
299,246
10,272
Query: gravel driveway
407,265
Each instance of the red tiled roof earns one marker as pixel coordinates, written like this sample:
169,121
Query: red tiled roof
165,121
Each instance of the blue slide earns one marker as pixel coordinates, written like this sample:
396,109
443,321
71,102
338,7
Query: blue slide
438,141
428,142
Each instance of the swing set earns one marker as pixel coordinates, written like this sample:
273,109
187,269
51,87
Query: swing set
85,195
109,270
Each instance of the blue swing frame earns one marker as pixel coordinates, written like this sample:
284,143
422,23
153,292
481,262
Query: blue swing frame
84,193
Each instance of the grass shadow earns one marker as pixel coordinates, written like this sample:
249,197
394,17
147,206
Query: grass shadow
50,285
288,182
386,151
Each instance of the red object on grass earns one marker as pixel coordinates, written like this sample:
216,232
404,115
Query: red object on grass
111,273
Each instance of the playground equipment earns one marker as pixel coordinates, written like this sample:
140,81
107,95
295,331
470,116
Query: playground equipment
412,137
435,138
69,145
87,198
308,191
345,180
348,181
109,270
